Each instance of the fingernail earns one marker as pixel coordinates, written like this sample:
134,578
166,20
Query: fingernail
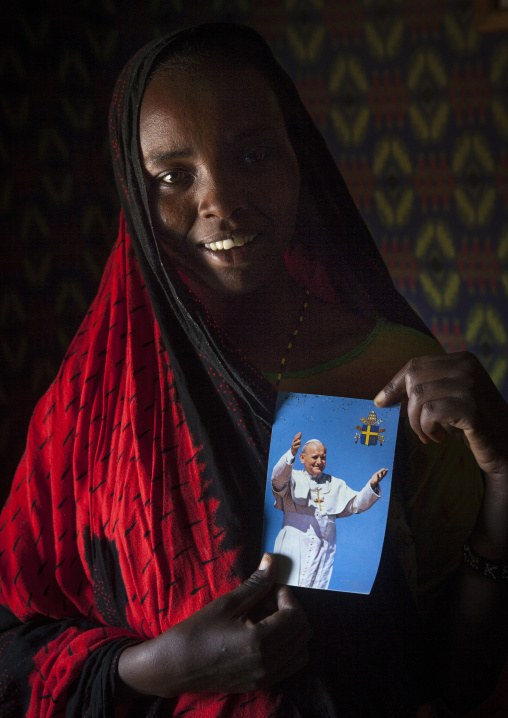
379,399
265,562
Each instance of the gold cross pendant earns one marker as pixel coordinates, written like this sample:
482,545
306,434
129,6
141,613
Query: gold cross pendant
319,500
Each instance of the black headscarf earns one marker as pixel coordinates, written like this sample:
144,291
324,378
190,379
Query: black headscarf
330,231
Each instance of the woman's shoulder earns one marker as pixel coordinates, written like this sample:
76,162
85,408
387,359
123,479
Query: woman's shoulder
404,342
349,334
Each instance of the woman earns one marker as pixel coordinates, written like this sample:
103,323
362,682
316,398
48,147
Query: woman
132,529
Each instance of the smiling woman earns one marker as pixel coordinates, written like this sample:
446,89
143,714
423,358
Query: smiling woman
223,175
130,540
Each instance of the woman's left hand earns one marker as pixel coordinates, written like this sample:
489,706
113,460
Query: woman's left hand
453,393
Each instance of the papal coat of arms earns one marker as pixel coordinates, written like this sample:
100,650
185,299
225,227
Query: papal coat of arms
369,432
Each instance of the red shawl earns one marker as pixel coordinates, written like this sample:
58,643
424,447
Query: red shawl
108,517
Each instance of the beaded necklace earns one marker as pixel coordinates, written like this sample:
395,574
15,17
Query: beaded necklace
293,335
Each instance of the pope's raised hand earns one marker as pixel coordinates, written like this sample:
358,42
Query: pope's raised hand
377,477
297,442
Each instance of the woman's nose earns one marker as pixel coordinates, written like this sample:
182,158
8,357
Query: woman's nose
220,195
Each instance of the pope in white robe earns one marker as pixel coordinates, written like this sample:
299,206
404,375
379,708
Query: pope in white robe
311,501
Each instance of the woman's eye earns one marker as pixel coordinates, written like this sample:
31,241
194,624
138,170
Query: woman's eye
175,177
255,156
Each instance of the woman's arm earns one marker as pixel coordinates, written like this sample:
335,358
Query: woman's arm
221,648
454,394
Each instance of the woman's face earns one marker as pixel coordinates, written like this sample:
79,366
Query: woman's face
222,176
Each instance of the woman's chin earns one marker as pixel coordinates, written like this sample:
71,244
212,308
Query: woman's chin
234,278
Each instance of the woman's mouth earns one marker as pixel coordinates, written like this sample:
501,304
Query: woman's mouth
237,241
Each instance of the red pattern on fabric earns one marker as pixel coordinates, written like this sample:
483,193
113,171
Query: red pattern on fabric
109,449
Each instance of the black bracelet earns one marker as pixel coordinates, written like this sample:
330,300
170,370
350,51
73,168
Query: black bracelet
491,569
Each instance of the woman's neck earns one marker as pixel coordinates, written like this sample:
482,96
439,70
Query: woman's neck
261,323
258,323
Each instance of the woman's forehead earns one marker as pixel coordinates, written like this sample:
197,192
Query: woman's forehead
235,100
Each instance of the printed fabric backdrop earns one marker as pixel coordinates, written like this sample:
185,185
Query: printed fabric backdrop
413,103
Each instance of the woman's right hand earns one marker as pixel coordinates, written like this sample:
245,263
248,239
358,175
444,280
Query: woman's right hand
220,648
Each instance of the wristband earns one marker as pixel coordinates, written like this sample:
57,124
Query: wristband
494,570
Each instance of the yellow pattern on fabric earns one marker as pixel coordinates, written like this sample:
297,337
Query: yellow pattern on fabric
435,242
384,41
393,164
475,193
427,70
485,325
347,76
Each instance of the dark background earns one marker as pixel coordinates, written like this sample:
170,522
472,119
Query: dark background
413,103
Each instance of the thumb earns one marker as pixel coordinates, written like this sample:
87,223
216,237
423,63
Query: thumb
255,588
395,391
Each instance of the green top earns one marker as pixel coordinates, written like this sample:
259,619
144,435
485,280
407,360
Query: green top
381,327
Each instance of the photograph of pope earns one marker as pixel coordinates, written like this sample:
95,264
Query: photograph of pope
311,501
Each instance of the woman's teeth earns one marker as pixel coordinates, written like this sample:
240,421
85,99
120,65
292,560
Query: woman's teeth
231,242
